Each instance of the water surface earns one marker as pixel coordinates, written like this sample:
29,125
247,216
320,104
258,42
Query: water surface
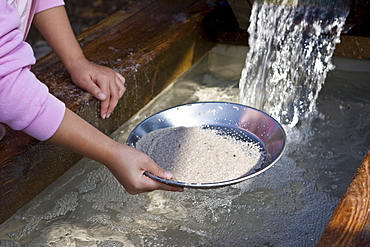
288,205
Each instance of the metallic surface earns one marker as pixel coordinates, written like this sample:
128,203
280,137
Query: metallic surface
247,123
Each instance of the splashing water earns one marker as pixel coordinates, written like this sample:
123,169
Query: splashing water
290,55
288,205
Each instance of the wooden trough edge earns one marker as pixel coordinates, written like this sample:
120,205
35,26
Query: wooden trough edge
350,223
150,45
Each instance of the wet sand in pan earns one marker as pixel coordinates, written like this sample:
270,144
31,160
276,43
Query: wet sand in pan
199,155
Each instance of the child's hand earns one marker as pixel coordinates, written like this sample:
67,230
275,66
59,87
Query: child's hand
126,163
128,166
102,82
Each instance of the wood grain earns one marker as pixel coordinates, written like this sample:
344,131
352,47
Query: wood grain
350,224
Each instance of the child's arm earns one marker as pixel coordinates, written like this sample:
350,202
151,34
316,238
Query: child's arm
26,105
102,82
126,163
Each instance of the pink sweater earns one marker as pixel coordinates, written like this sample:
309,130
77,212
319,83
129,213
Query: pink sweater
25,102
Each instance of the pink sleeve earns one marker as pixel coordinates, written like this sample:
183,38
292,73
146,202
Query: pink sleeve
25,102
48,4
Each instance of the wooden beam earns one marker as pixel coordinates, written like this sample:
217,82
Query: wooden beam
350,224
353,47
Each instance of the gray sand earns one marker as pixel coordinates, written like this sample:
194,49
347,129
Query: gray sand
197,155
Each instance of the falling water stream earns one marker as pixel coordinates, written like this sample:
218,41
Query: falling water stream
288,205
290,56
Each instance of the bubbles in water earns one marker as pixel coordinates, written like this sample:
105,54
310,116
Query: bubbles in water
9,243
290,55
110,243
288,205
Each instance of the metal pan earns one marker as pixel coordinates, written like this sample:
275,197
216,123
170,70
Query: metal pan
247,122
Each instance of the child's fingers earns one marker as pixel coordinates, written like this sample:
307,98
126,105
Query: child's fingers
153,184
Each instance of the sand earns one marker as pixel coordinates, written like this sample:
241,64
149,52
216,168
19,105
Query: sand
199,155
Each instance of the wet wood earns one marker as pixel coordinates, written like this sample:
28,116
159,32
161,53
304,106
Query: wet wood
150,44
353,47
350,224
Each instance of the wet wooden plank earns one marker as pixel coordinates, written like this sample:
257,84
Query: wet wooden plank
353,47
150,44
350,224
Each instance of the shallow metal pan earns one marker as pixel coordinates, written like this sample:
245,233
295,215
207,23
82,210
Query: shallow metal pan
247,122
